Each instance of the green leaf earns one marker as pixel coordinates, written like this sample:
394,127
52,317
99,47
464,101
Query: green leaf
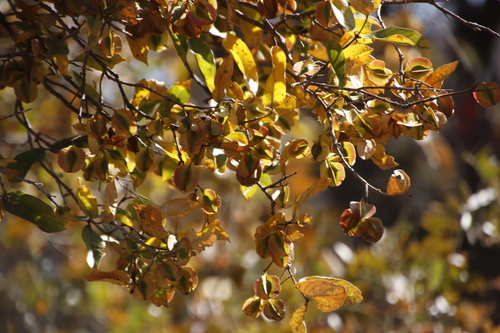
94,243
24,162
402,36
344,14
205,60
33,210
337,60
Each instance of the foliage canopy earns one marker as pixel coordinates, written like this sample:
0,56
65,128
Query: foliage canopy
255,72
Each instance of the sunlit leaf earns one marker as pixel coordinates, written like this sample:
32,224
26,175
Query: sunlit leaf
244,60
343,14
186,177
267,287
337,60
151,221
384,161
223,77
87,202
402,36
365,6
209,201
71,159
205,60
124,121
330,295
253,307
399,183
436,78
275,90
94,243
274,309
297,322
33,210
118,277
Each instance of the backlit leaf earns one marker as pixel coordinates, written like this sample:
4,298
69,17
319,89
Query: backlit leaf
118,277
365,6
95,245
223,77
186,177
343,14
436,78
205,60
385,162
297,322
87,202
151,221
402,36
489,94
253,307
274,309
244,60
275,90
33,210
124,121
337,60
320,185
399,183
330,295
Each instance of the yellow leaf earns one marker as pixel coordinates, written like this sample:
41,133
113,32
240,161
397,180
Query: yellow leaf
244,60
88,203
275,90
151,221
357,55
223,78
330,292
436,78
118,277
275,223
329,295
297,323
384,162
200,240
365,6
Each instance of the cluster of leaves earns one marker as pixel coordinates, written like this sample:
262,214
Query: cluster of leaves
262,66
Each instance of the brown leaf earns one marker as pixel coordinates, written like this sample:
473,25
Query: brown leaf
179,207
329,295
118,277
399,183
297,323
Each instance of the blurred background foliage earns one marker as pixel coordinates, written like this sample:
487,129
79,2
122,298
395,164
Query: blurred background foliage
437,268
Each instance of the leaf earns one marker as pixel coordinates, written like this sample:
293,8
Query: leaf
223,78
33,210
436,78
87,202
179,207
118,277
373,231
95,244
297,323
26,91
267,287
337,60
329,295
151,221
385,162
274,224
399,183
123,121
274,309
23,163
139,48
201,240
365,7
343,14
253,307
244,60
71,159
330,292
209,201
186,177
488,97
402,36
275,90
320,185
205,60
